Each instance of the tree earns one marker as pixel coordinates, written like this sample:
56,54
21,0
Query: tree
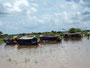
78,30
72,30
1,33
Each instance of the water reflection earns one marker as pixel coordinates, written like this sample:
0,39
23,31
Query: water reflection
73,39
11,45
50,42
27,46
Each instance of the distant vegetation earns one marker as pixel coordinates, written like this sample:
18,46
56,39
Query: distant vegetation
74,30
71,30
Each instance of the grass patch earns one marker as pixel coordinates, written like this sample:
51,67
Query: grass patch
1,41
9,60
36,62
27,59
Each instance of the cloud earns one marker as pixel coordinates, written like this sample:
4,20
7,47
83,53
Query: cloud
84,10
1,23
86,13
33,9
47,15
77,1
84,2
15,6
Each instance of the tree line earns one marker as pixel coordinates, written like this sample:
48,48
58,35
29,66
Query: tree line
71,30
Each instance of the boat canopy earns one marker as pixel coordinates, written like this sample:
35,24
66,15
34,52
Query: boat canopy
26,37
49,36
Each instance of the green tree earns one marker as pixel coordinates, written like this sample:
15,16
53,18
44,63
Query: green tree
78,30
72,30
1,33
53,31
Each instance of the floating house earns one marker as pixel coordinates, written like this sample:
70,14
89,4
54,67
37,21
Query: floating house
28,40
24,40
71,35
50,38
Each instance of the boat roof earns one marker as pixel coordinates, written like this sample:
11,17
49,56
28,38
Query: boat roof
14,36
32,36
26,37
49,36
73,33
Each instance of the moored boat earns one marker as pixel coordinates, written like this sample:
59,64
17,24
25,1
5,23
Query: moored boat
50,38
28,40
71,35
9,41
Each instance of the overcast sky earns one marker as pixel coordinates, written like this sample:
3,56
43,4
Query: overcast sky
20,16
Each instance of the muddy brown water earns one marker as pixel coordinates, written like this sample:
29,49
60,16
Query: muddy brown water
73,53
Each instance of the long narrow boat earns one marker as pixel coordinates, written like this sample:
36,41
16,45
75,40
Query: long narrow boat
73,35
50,38
9,41
27,40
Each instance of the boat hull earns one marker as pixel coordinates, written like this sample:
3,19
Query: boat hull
73,35
10,42
27,42
50,39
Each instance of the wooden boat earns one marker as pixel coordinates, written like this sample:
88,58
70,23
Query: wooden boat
50,38
27,40
71,35
9,41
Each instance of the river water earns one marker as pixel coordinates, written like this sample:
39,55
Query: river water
67,54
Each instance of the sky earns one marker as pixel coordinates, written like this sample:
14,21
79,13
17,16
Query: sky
26,16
